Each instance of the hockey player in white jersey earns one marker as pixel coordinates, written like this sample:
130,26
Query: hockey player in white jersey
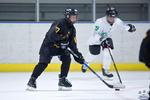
101,37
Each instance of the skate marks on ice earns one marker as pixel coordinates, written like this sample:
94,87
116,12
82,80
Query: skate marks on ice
85,87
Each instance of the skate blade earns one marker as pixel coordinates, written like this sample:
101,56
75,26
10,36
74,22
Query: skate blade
62,88
107,78
118,86
30,88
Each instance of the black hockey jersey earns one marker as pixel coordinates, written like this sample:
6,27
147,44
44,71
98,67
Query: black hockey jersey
144,55
61,31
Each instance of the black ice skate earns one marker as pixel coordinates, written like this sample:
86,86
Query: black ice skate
83,68
31,85
64,84
107,75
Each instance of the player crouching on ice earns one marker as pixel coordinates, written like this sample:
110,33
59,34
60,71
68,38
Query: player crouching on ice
101,37
61,35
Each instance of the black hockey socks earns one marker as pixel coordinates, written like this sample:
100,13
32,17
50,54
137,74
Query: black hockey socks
66,60
40,67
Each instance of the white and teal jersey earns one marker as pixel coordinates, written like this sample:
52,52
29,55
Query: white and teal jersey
102,29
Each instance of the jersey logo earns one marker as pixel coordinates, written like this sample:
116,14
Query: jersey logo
57,29
113,11
68,34
96,28
104,34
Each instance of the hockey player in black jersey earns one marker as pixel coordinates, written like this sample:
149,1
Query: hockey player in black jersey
145,50
61,35
144,55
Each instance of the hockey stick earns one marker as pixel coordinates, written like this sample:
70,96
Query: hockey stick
114,64
116,86
110,86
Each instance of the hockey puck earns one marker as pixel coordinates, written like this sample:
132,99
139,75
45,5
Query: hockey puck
117,89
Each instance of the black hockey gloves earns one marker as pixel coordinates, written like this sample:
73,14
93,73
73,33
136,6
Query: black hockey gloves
79,58
107,42
132,28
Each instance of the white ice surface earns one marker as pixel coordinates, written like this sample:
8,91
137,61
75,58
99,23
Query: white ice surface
85,87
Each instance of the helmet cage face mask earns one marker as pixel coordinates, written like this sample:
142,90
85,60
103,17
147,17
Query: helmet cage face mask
112,12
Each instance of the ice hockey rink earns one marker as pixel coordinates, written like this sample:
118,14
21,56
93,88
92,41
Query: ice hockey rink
24,24
85,86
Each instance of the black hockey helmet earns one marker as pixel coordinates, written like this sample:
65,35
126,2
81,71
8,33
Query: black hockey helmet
112,12
70,11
